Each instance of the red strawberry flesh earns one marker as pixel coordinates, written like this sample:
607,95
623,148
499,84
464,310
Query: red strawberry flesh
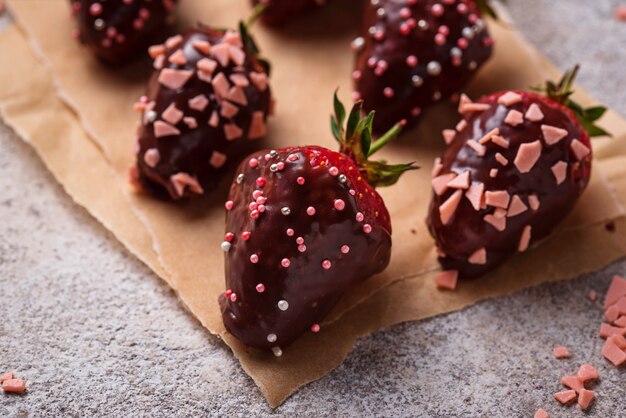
557,189
413,54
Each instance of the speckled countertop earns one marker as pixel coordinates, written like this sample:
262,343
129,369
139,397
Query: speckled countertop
96,333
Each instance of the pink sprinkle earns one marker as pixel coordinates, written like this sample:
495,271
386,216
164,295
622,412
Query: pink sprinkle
340,204
447,279
260,288
448,135
253,163
233,297
405,13
501,159
345,249
260,181
285,262
228,237
178,57
252,205
280,165
516,207
333,171
561,352
315,328
232,131
257,193
245,235
217,159
198,103
367,228
411,61
310,211
475,195
190,122
207,65
254,214
447,208
592,295
356,75
254,258
478,148
228,293
152,157
300,180
620,13
292,157
229,205
259,80
299,240
302,248
290,232
437,9
388,92
462,43
95,9
440,39
144,13
326,264
359,217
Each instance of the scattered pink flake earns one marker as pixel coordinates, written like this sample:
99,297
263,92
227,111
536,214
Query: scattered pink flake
237,55
478,148
6,376
527,156
178,57
478,257
221,52
260,288
229,205
232,131
561,352
326,264
339,204
475,195
497,222
217,159
464,100
559,170
579,149
254,258
257,126
204,76
203,47
198,103
447,208
174,79
493,173
617,289
447,279
448,135
152,157
541,414
514,118
533,201
237,95
345,249
174,42
620,322
239,80
516,207
509,98
206,65
182,180
285,262
310,211
367,228
534,113
607,330
214,120
229,110
233,38
592,295
585,397
552,134
14,386
259,80
164,129
498,140
315,328
565,396
620,13
461,125
437,167
220,85
462,181
612,313
440,183
619,341
156,50
172,115
587,372
524,239
474,107
488,136
497,198
573,382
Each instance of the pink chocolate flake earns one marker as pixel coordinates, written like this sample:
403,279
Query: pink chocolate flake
579,149
447,208
174,79
217,159
478,257
164,129
509,98
534,113
524,239
527,156
559,170
172,115
552,134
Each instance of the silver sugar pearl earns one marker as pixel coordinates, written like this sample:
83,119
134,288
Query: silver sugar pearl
371,30
239,178
456,52
225,246
277,351
433,68
283,305
358,43
417,80
273,153
151,116
98,24
436,96
271,338
422,24
374,2
381,12
342,178
273,168
467,33
285,211
479,25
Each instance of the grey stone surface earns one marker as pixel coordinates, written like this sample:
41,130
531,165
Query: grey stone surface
95,333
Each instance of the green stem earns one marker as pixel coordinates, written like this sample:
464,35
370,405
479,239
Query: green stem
256,12
384,140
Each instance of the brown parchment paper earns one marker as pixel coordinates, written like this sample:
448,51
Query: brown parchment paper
88,147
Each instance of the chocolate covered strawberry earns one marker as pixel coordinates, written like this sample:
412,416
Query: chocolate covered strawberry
303,226
206,105
413,53
117,30
514,168
278,12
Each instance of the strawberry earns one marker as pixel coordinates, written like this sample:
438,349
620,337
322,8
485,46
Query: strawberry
116,30
514,168
303,226
207,101
413,53
279,12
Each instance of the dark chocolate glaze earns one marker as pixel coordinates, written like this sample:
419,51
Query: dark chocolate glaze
279,12
467,231
310,290
409,97
191,151
123,28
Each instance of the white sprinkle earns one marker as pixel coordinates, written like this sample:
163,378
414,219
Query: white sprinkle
225,246
271,338
283,305
277,351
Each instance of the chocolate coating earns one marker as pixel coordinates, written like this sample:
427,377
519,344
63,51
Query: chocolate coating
203,152
118,30
467,231
309,289
279,12
398,86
